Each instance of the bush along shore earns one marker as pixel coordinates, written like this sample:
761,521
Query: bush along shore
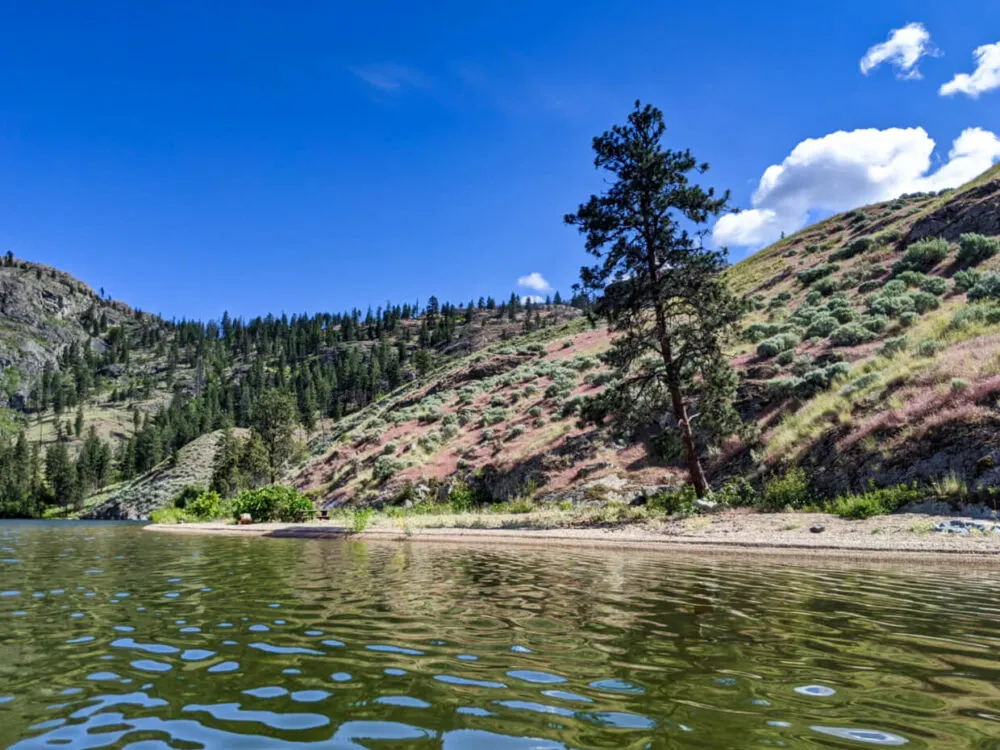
458,505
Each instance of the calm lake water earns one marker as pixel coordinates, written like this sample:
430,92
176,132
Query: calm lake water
115,637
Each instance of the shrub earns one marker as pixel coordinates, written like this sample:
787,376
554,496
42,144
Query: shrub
925,301
736,493
674,501
908,318
572,406
890,305
779,300
859,384
803,363
893,346
207,506
893,288
923,255
965,280
602,378
934,285
498,400
777,344
535,411
842,314
187,495
911,278
975,248
851,334
492,417
430,443
360,519
875,502
461,497
515,432
583,363
791,490
857,246
875,323
869,286
819,379
827,286
888,236
760,331
816,273
273,503
822,326
981,313
781,388
929,348
559,389
988,287
385,466
786,357
389,449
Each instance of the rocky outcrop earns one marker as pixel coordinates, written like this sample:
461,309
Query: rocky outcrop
41,312
976,210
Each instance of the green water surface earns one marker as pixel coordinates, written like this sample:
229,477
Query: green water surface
111,636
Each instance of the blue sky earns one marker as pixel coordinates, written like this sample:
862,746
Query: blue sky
194,157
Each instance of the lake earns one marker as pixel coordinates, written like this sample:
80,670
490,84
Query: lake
115,637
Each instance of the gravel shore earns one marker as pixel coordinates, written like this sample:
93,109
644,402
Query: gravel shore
897,536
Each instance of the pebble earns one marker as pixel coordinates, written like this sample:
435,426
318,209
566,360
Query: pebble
964,528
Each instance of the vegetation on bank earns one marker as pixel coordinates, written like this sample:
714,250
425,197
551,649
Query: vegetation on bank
263,504
791,491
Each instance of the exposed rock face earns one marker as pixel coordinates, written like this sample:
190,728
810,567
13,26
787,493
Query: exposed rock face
42,312
958,448
976,210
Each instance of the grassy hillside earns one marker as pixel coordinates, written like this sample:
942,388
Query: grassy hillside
870,356
863,359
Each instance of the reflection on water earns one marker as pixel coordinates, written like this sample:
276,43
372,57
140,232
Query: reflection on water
114,637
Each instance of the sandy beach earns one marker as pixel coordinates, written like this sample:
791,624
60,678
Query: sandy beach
896,536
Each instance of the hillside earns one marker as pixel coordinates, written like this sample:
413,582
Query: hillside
98,393
870,356
863,360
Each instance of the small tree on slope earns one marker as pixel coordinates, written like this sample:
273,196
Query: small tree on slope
659,289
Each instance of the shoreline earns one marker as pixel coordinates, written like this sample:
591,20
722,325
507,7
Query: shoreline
897,537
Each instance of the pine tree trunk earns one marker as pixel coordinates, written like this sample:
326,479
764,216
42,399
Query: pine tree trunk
696,473
694,465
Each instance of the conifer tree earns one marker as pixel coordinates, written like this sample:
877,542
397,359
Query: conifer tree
659,288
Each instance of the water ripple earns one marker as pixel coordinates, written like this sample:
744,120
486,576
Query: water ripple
467,648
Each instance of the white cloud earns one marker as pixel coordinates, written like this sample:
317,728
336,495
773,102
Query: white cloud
390,76
534,281
903,50
844,170
985,77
